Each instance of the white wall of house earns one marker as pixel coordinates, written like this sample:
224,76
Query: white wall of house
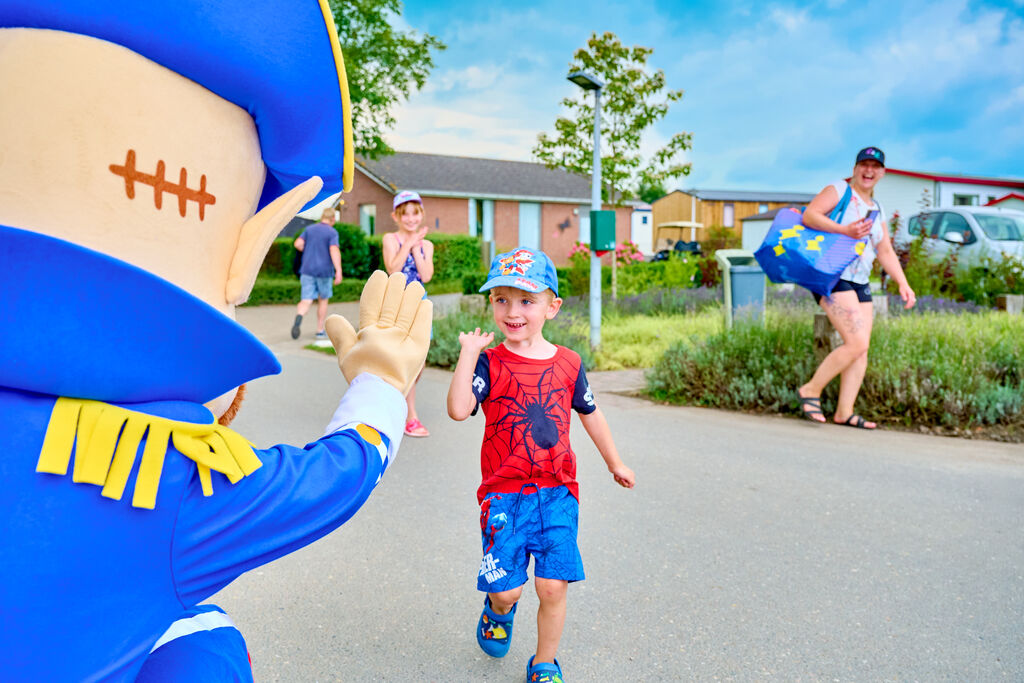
903,193
953,194
640,230
1013,203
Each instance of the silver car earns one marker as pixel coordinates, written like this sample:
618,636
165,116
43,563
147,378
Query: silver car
975,231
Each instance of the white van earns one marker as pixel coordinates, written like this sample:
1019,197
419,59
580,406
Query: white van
975,231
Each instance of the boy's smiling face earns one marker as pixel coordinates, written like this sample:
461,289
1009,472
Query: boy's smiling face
520,315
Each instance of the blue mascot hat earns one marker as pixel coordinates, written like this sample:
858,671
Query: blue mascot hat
280,61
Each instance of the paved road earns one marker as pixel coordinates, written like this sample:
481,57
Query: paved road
752,549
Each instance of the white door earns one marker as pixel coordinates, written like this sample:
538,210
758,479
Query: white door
640,232
529,225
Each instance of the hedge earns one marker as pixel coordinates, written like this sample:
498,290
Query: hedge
940,371
454,255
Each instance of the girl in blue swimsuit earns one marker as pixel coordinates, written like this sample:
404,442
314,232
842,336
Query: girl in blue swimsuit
409,252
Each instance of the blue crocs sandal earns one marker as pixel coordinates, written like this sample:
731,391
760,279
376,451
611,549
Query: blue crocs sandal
494,631
545,672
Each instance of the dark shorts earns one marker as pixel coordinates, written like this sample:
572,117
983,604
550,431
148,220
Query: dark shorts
516,526
863,291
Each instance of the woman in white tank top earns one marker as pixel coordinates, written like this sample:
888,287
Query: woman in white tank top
849,305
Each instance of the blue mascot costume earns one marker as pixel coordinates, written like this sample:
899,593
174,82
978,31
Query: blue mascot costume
149,154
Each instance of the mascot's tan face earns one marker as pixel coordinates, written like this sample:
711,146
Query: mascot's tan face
103,148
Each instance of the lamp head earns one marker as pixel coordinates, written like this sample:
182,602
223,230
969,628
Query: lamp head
586,81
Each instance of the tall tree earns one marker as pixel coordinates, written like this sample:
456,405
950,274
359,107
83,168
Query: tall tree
630,104
384,65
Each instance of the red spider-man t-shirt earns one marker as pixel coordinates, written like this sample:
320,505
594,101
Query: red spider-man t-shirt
527,404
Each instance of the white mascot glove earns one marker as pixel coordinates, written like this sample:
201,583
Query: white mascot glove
394,332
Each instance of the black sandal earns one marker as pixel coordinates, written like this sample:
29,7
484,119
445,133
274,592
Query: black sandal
815,403
857,422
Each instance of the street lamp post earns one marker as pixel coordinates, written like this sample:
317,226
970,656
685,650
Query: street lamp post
590,82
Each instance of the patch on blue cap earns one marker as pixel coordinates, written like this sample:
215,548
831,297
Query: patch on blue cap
522,268
871,153
280,61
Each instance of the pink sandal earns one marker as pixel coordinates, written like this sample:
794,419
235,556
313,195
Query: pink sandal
415,428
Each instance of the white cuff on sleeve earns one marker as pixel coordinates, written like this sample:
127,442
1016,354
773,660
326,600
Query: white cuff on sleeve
375,403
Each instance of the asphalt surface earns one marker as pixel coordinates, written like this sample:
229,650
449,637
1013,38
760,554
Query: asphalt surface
752,549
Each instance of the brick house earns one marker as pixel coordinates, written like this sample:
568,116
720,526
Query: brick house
508,203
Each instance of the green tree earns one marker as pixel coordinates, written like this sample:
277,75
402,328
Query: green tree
650,193
630,104
384,65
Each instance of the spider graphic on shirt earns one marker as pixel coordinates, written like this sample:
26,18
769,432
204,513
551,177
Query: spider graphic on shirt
534,417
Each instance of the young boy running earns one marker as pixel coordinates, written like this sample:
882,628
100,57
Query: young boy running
529,495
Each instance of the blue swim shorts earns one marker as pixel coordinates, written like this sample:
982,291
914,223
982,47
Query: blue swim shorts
539,522
316,287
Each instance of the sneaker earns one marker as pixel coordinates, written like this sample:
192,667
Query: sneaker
321,335
494,631
545,672
297,327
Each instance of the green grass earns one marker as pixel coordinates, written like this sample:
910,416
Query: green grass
639,341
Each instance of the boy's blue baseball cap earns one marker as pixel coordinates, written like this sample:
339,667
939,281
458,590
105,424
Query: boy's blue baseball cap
522,268
279,61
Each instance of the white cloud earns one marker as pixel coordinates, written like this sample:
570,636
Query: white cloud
469,78
790,20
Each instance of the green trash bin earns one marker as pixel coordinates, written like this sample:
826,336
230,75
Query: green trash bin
744,285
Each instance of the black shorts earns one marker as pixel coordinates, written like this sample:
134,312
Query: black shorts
863,291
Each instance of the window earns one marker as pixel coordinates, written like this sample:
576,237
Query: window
1001,227
965,200
991,198
643,220
954,222
925,223
367,217
728,215
762,208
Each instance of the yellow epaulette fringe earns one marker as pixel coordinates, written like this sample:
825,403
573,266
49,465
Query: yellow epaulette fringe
106,438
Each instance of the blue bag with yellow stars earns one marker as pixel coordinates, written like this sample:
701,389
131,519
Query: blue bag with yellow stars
792,252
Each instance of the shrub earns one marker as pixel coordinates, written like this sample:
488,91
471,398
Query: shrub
931,369
279,258
628,254
472,282
355,252
356,255
721,237
652,302
271,289
926,276
376,249
455,255
981,283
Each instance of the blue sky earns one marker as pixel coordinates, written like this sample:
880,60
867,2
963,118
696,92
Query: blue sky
778,96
